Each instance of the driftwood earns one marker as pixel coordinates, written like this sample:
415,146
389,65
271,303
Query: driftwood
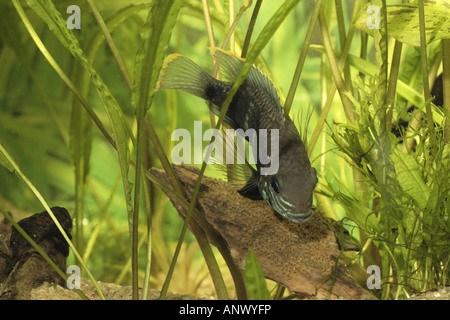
302,257
22,268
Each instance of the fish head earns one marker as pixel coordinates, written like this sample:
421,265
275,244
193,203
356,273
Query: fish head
290,192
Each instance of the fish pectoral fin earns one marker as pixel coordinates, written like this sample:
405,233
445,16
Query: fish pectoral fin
251,190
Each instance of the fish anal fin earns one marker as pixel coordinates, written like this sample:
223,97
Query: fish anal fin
251,190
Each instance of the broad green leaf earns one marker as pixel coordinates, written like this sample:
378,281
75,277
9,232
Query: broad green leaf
410,178
403,21
254,278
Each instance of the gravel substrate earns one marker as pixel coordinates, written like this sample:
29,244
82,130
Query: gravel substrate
113,291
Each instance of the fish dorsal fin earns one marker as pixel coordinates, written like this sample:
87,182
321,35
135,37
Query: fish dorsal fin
230,65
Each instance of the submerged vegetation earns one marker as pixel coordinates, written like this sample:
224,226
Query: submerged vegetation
81,125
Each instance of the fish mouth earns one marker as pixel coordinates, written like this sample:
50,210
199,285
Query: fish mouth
298,217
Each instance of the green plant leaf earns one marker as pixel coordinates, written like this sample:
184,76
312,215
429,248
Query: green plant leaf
51,16
410,178
364,66
403,21
262,40
108,5
4,162
357,212
5,157
254,278
39,250
156,35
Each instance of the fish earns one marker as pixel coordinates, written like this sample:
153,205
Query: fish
256,105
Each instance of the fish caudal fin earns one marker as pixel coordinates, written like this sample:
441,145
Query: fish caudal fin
179,72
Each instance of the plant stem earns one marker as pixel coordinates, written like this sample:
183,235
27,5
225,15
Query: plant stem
383,164
392,86
212,44
446,84
426,86
332,91
250,28
149,196
302,58
213,267
136,205
38,195
197,230
340,85
232,24
230,34
209,27
263,39
342,41
110,43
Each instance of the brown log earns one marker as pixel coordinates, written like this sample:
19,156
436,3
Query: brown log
302,257
22,268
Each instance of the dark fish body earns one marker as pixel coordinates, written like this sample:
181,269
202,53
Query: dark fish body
256,105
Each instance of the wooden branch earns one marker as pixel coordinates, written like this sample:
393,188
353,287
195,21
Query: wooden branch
302,257
22,268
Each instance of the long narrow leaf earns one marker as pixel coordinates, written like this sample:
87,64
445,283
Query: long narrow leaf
156,36
264,37
254,278
40,251
364,66
51,16
12,164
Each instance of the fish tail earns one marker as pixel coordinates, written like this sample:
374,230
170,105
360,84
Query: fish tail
179,72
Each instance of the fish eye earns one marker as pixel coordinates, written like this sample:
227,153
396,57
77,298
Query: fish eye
275,185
